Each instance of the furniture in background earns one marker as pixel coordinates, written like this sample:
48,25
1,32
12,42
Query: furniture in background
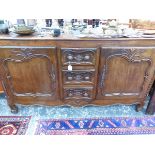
142,24
76,72
151,105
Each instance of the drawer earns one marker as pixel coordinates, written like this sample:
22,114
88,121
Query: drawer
79,56
79,76
78,93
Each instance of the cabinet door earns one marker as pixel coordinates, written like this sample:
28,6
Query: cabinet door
125,72
29,72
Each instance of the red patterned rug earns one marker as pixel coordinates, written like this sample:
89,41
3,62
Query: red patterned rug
97,126
14,125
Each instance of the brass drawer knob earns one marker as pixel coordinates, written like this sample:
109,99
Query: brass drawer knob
85,94
70,78
87,78
70,94
87,57
70,57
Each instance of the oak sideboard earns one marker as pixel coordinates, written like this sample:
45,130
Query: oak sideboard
77,72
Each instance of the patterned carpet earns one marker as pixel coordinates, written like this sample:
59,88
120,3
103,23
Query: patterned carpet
13,125
46,112
97,126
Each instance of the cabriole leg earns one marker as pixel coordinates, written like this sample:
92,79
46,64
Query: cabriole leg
139,107
14,109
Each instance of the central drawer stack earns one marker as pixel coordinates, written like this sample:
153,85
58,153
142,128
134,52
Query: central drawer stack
79,75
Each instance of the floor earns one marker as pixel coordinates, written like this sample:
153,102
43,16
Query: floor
46,112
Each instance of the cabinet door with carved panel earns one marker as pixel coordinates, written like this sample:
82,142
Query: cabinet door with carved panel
29,74
126,73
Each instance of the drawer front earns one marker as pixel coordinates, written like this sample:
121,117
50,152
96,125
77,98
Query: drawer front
78,93
78,56
78,77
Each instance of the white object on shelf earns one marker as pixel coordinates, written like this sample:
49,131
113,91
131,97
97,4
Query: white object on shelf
70,67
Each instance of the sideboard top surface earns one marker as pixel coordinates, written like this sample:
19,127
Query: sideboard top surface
73,41
13,36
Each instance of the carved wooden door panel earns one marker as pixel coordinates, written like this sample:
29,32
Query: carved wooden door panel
29,72
125,72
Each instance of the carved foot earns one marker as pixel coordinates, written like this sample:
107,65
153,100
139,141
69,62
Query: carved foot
14,109
139,107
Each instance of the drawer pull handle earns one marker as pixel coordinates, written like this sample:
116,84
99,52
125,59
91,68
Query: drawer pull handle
87,57
87,78
70,57
85,94
70,77
70,94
